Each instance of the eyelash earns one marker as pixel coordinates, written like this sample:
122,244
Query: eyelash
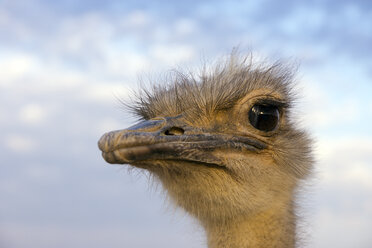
280,105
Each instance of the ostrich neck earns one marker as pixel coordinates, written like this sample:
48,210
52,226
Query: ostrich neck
274,227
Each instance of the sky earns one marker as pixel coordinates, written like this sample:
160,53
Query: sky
65,64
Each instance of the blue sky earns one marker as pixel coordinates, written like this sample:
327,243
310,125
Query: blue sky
64,63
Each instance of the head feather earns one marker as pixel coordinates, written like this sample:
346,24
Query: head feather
197,95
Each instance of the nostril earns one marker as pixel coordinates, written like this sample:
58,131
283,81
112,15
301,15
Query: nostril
174,131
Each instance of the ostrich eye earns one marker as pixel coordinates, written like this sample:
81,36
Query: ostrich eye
264,117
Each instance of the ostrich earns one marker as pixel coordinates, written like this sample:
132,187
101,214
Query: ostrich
225,148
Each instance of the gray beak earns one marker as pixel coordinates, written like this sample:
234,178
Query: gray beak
170,139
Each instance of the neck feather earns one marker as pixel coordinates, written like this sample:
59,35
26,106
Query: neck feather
274,227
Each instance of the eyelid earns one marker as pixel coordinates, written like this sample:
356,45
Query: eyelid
273,102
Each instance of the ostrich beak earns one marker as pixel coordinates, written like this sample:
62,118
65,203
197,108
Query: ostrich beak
169,139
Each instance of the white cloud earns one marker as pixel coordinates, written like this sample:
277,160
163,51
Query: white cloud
83,35
33,114
28,73
300,17
185,27
42,173
321,110
346,161
105,92
96,236
136,19
356,174
17,66
344,167
172,54
124,62
110,124
91,54
20,144
4,18
355,226
14,26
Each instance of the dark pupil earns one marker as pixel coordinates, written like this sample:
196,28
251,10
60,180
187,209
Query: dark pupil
264,117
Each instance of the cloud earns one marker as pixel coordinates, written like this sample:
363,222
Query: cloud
17,65
172,54
33,114
136,20
20,144
185,27
352,225
124,62
327,106
109,124
81,35
63,64
94,237
352,168
342,203
105,92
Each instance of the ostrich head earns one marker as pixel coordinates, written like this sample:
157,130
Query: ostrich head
223,144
